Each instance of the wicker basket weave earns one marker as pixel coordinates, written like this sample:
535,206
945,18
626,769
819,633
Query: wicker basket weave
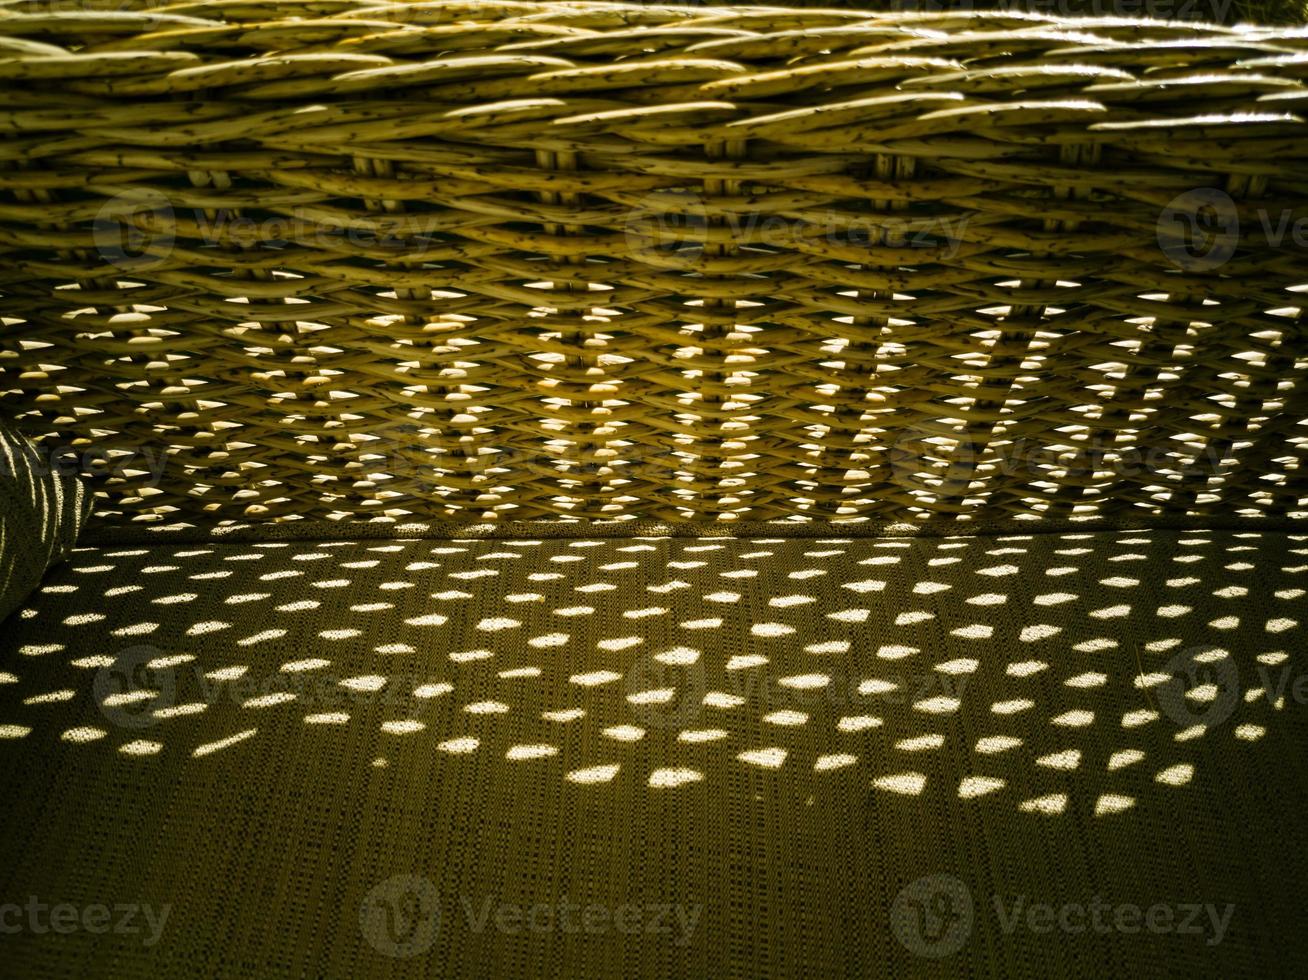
465,260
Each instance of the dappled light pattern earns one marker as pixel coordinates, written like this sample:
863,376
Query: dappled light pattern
1047,674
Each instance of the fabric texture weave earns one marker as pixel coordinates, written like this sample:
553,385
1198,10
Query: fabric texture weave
307,748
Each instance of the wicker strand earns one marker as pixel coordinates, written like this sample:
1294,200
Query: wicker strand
473,262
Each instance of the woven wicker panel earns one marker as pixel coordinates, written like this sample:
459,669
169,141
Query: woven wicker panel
508,260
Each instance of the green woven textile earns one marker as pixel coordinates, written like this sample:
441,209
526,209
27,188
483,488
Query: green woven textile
745,758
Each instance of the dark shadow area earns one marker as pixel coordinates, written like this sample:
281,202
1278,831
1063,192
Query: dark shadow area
1213,11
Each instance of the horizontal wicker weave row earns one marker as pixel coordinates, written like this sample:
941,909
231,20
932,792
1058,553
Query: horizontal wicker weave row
464,260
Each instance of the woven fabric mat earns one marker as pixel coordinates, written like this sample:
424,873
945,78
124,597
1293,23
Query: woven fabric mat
666,757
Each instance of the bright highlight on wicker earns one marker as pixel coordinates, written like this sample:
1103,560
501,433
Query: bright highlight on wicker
479,261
